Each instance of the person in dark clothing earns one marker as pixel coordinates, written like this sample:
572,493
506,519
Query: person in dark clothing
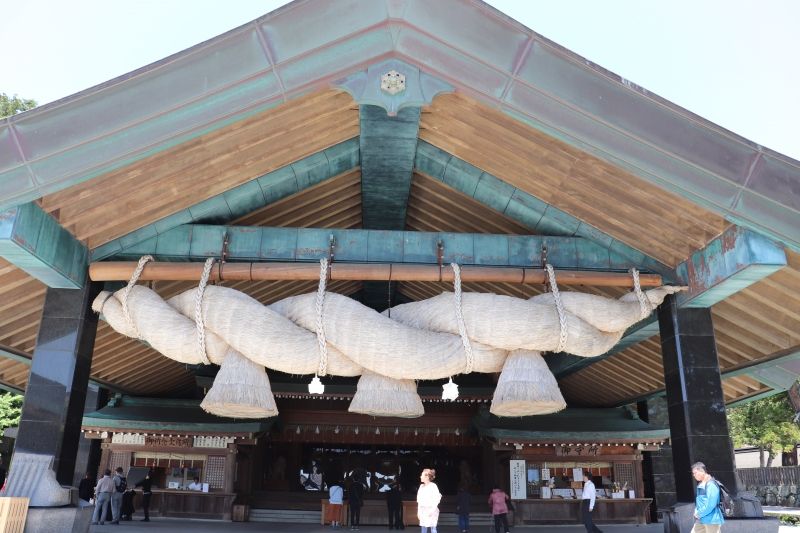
462,509
86,488
394,503
147,493
356,498
127,509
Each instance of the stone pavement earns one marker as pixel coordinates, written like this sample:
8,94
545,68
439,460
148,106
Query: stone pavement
164,525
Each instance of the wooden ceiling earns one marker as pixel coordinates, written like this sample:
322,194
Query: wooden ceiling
753,324
124,200
647,218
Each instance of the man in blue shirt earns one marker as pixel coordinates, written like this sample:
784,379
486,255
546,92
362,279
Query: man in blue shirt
707,514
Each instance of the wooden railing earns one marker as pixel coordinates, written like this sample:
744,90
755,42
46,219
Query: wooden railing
779,475
13,512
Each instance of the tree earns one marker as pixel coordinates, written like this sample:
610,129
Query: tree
10,409
11,105
767,423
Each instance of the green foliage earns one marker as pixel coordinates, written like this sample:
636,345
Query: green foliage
767,423
10,409
11,105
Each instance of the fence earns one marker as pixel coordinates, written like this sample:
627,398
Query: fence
13,512
779,475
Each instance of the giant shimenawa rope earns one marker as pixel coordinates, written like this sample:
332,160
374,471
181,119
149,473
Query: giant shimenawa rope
327,333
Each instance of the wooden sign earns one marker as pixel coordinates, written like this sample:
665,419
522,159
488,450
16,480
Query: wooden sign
577,450
168,441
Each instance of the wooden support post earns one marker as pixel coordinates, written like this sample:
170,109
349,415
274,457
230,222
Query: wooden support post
120,271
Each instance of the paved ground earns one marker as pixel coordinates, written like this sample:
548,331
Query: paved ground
208,526
203,526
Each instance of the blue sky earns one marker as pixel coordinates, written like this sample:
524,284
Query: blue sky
733,62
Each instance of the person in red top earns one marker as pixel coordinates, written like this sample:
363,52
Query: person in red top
498,499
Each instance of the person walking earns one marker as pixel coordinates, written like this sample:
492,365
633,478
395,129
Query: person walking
394,506
103,491
588,500
498,499
428,498
707,514
147,493
356,498
120,486
335,502
462,509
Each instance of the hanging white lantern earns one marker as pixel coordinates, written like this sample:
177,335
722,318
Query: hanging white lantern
449,390
316,386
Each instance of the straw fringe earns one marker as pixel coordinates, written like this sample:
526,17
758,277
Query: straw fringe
526,387
241,390
378,395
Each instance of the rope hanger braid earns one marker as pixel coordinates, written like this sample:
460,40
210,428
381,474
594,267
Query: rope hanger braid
198,311
562,314
644,303
462,328
320,327
125,293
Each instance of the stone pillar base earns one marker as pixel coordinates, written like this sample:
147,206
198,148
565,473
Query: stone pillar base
58,519
680,519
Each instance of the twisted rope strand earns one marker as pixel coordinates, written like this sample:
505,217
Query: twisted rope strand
320,302
126,292
644,303
462,327
198,311
562,315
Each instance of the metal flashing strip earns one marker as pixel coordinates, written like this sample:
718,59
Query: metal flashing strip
35,242
196,242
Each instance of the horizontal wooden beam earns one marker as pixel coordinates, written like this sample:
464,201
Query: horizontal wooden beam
731,262
195,242
35,242
121,270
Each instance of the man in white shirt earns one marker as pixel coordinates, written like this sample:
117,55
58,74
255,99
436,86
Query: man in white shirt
196,485
587,503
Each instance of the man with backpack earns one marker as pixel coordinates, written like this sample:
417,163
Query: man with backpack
708,514
120,486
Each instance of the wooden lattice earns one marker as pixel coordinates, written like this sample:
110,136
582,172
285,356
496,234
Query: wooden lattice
215,471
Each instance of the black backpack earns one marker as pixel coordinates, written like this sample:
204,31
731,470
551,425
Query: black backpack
123,484
725,501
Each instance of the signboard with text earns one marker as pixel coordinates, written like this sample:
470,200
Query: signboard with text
518,479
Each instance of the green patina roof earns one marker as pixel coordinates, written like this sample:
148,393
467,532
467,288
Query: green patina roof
155,414
611,424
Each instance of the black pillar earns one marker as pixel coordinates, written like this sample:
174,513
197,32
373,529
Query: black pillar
697,419
88,457
51,418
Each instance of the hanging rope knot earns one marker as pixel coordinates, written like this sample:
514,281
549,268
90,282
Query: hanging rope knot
126,292
320,303
644,303
198,311
562,315
462,327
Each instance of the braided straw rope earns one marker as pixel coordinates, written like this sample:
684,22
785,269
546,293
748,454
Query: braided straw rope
124,298
562,315
644,302
198,311
462,328
320,326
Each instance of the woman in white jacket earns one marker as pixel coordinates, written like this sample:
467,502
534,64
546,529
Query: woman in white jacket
428,498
